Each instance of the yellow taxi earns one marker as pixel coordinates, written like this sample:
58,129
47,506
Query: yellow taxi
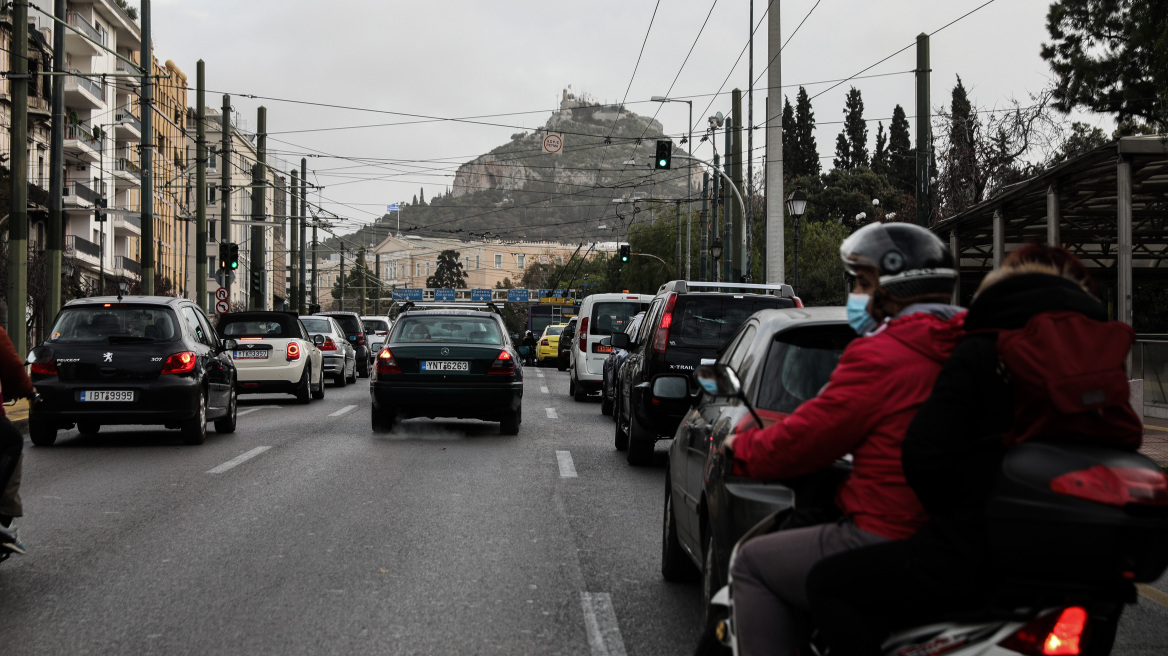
548,349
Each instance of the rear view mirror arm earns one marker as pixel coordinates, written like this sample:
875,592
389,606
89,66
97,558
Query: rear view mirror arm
750,407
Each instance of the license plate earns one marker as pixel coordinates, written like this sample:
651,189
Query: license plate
257,354
600,348
445,365
107,396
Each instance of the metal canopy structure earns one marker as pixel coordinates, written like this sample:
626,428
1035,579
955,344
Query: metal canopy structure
1109,206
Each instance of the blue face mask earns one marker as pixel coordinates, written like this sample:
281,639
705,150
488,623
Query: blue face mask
858,317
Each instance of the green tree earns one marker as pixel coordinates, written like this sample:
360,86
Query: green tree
358,284
1110,56
449,273
851,147
821,271
880,155
1083,138
806,152
961,184
791,155
901,157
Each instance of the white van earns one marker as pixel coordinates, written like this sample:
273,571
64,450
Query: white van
599,316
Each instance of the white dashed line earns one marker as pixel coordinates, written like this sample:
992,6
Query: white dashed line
254,408
238,460
604,635
551,412
342,411
539,374
567,467
543,388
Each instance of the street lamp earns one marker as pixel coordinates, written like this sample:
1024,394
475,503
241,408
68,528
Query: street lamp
688,181
796,206
716,249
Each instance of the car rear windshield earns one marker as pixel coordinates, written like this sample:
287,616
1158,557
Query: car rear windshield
709,321
554,330
799,364
316,325
376,326
350,324
115,323
458,329
610,317
271,326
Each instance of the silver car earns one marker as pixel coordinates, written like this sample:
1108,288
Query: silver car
339,356
376,332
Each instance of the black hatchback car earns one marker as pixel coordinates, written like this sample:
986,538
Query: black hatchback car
781,358
354,329
686,326
132,360
448,363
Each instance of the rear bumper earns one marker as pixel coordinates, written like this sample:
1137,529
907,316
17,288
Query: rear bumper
662,417
489,402
166,400
333,364
271,379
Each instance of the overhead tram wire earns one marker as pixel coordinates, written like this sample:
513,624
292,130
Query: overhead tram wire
682,67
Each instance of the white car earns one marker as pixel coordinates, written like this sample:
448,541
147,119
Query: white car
273,354
376,331
599,316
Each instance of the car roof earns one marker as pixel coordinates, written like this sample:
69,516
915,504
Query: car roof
725,288
139,300
615,296
336,313
442,312
780,320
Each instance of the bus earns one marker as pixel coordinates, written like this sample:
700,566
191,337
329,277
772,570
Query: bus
542,315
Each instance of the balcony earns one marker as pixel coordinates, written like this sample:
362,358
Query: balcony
80,143
128,126
127,83
78,45
126,173
78,195
127,266
83,249
126,223
83,92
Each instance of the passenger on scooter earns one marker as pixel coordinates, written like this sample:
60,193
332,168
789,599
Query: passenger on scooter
952,455
900,305
14,384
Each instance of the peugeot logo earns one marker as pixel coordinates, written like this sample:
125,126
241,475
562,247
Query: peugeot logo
445,351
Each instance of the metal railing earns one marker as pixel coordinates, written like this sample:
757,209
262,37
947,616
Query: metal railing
76,20
127,118
1150,363
82,245
79,190
87,84
79,133
122,262
126,165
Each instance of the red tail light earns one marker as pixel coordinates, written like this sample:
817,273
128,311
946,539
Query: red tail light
179,363
293,351
360,340
386,364
661,340
584,335
1055,634
504,365
45,368
545,342
329,344
798,302
1114,486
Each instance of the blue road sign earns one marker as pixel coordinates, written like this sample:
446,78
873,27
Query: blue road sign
480,295
518,295
443,294
408,294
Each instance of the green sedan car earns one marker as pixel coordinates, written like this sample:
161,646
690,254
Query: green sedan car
448,363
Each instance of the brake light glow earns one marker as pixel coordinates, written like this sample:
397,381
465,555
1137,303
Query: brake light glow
661,340
45,368
1114,486
250,339
798,302
584,334
360,339
503,365
386,364
1054,634
179,363
329,344
545,342
293,351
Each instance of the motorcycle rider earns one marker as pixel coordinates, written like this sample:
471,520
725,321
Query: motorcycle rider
904,279
14,384
531,343
952,455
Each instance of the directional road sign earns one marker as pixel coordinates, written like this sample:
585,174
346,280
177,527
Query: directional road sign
443,294
221,294
480,295
222,307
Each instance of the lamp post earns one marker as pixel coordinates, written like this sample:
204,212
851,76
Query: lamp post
688,180
716,251
796,206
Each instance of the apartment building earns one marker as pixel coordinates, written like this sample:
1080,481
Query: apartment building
407,261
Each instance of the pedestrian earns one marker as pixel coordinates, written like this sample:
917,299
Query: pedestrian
14,384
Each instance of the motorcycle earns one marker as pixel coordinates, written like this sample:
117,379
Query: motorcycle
1076,526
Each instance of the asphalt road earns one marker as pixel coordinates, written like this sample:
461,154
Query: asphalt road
304,533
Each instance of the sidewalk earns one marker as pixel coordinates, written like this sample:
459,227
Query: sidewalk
18,415
1156,440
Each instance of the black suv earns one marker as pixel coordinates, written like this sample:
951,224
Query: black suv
354,328
565,349
686,325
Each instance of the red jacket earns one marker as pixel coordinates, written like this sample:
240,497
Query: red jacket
865,410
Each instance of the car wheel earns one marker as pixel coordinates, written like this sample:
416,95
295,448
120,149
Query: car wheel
42,433
640,443
194,430
579,394
711,584
383,419
562,364
622,437
362,371
304,387
675,565
511,421
226,424
88,428
318,393
353,378
605,401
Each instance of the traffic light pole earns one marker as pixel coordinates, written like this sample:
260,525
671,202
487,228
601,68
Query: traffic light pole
225,184
733,187
201,190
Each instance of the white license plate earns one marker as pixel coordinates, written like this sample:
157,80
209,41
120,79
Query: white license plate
257,354
107,396
445,365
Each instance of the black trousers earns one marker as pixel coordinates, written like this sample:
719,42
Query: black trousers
11,444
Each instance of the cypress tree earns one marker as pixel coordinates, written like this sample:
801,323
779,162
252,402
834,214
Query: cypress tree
856,127
843,153
805,129
902,170
791,156
880,156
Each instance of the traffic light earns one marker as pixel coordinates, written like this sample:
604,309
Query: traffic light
664,154
224,254
233,256
257,281
624,252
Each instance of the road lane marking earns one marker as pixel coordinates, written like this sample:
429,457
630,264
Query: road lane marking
342,411
604,635
567,467
551,413
539,374
254,408
543,388
238,460
1153,594
1158,428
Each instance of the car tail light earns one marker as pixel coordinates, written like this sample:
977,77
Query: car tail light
329,344
798,301
360,340
179,363
584,335
293,351
1114,486
45,368
545,342
504,364
1056,634
662,338
386,364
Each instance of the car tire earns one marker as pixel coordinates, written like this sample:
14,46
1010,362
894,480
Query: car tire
383,419
226,424
42,433
605,402
641,443
622,437
194,430
511,421
88,428
362,371
353,378
676,566
318,393
304,387
579,394
711,583
562,364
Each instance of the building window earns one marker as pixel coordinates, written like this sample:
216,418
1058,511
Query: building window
212,193
478,265
417,269
521,260
427,269
213,160
498,261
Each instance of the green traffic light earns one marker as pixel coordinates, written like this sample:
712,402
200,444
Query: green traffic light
662,162
235,265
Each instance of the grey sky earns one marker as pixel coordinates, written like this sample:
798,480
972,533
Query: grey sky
455,58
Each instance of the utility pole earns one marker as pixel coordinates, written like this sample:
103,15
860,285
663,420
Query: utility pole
147,103
742,263
775,272
703,271
201,189
18,183
377,267
715,201
728,214
55,230
924,130
314,258
303,243
343,286
293,259
225,183
259,298
677,261
750,152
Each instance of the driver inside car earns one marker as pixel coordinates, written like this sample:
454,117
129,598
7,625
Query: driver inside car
904,279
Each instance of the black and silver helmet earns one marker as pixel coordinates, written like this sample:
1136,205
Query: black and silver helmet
910,260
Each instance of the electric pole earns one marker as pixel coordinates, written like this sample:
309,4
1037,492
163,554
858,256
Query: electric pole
703,271
147,102
55,230
750,152
201,189
259,298
775,272
294,236
742,264
303,243
924,131
225,183
18,183
343,286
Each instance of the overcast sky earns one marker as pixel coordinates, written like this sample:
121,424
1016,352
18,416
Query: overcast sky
466,58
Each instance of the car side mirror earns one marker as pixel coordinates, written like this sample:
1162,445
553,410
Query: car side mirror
607,341
620,340
718,380
671,387
318,340
229,344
